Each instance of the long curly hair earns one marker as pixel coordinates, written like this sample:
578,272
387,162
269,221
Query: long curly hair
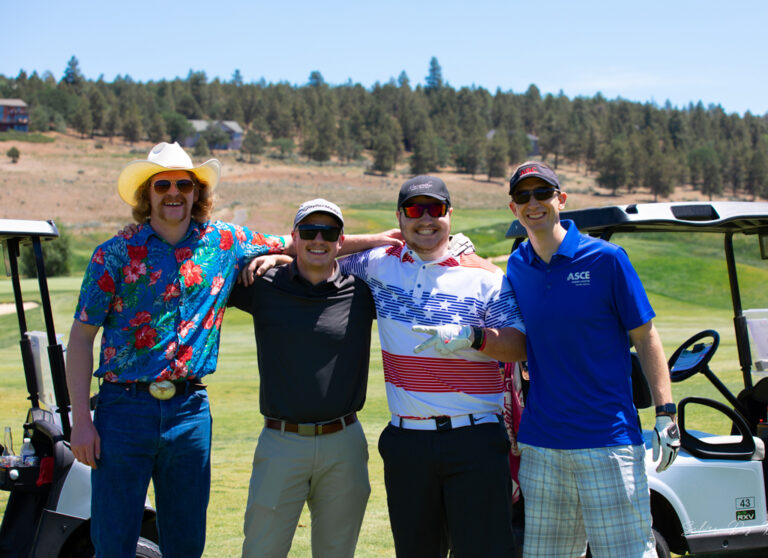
201,209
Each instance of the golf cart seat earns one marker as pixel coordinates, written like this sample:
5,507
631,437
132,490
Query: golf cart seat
742,446
732,440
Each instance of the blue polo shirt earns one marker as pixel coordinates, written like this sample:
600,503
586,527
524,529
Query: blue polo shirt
578,310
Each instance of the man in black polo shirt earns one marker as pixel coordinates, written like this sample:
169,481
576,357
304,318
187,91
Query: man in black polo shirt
313,337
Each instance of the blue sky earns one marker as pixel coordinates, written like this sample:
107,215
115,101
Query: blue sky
677,50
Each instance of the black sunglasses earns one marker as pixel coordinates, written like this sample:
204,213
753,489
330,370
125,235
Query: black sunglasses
541,194
309,232
417,210
183,185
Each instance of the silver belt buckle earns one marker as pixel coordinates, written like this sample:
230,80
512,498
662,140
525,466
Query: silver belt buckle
162,390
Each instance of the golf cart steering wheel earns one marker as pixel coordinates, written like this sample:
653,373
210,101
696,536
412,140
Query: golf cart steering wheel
693,355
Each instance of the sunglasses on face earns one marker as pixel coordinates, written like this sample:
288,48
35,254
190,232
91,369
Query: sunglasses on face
309,232
417,210
541,194
183,185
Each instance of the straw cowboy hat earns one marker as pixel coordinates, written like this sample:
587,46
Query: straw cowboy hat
164,157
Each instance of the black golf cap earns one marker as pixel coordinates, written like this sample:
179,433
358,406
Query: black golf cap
423,186
533,170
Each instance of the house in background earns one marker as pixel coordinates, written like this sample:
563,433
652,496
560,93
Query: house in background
231,128
13,115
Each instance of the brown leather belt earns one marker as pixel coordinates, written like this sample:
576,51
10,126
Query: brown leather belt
310,429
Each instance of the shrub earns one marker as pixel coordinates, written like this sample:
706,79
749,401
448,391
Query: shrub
14,154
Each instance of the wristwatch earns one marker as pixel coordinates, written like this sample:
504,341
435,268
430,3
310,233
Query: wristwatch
666,409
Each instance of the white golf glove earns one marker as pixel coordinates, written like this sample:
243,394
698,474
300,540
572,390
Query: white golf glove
666,441
460,244
445,339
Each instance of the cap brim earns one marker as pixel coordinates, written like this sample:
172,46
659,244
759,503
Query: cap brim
545,178
426,195
137,172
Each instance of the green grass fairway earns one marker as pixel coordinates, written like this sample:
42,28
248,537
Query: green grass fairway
685,278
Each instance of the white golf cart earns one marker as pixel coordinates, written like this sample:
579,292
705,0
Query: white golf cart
49,507
712,500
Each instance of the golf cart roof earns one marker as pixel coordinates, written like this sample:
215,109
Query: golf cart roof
23,229
718,217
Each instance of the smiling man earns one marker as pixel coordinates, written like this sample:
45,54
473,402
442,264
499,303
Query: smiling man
445,448
582,469
313,338
159,294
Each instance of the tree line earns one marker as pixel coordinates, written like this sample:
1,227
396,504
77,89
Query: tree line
626,145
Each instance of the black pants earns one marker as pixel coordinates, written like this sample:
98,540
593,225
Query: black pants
454,481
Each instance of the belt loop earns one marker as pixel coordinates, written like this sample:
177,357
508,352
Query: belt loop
282,422
471,419
343,421
400,422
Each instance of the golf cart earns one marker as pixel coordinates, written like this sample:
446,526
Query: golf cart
48,510
712,500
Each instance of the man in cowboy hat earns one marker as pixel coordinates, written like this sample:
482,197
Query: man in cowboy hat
159,292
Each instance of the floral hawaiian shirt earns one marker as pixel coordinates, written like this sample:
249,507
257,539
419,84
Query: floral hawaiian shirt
161,306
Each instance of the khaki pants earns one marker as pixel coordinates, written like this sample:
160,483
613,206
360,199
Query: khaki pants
329,472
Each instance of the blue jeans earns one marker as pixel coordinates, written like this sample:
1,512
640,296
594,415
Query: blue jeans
142,438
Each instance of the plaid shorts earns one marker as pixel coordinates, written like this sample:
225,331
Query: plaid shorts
595,494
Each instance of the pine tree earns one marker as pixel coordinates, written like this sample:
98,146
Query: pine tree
434,79
496,154
72,74
254,143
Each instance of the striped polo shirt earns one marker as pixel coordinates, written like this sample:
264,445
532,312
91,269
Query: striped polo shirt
464,290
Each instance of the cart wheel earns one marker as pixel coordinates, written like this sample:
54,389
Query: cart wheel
145,548
662,548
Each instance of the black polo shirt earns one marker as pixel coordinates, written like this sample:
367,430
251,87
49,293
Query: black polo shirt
313,343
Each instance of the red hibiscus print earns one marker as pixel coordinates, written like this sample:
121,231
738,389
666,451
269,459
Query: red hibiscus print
220,317
141,318
111,377
106,283
181,369
83,317
155,276
240,234
134,270
185,326
171,291
184,354
226,241
192,273
98,257
117,304
209,319
170,350
145,337
216,285
109,354
182,254
137,252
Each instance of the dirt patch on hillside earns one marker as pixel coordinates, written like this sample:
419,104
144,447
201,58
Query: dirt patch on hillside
73,181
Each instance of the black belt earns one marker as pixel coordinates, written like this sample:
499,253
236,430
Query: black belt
311,429
163,390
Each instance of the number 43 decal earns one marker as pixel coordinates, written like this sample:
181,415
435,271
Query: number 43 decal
745,503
